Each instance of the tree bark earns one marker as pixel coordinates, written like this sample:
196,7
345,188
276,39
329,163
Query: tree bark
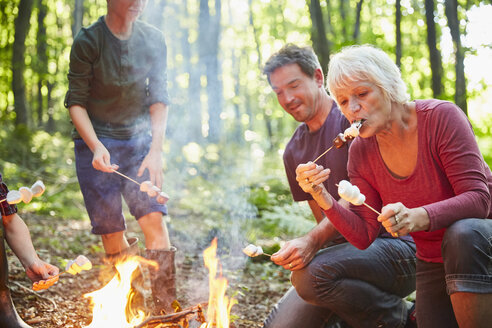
318,34
41,59
18,62
398,33
78,15
451,9
357,22
343,14
434,53
210,29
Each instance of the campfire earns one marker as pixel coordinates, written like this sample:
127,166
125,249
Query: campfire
111,305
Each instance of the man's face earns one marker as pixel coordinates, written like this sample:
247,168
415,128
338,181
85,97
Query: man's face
128,10
296,92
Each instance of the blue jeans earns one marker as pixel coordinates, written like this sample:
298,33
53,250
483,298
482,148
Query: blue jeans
364,288
467,254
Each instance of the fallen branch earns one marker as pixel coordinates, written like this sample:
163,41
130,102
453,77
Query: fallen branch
37,295
173,317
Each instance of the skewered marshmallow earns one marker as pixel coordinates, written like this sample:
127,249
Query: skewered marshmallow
146,186
350,133
38,188
25,194
253,250
14,197
162,198
79,264
350,193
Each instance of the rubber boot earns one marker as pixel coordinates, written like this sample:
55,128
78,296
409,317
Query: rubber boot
163,279
8,315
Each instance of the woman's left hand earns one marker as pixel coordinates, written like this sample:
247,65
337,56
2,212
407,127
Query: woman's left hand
400,220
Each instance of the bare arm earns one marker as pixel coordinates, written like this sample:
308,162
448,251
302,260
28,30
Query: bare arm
19,239
153,160
102,159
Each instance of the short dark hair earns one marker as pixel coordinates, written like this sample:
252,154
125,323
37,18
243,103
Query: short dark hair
293,54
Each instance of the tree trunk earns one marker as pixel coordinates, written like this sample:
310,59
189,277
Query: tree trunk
434,54
18,62
41,59
318,34
210,29
451,9
78,15
398,33
357,22
343,14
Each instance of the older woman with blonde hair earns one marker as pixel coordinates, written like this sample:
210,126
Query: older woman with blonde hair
418,163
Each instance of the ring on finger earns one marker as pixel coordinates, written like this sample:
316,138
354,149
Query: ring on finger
290,265
397,219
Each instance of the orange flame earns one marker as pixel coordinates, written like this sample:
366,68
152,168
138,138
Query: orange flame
110,302
219,305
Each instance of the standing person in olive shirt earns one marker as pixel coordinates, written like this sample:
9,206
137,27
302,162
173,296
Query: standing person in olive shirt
118,101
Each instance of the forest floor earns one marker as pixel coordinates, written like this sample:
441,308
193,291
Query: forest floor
256,284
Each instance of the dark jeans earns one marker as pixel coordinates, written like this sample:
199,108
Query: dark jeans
364,288
467,267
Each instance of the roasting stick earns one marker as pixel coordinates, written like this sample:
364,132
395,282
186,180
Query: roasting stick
127,177
322,154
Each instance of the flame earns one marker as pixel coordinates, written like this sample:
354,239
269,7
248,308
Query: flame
110,302
219,305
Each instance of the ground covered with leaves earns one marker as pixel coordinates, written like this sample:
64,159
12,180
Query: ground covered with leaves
256,284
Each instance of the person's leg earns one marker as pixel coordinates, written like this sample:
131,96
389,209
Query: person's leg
363,287
155,231
293,312
467,253
114,243
433,306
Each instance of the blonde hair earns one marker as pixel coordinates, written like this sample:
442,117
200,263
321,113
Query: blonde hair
366,63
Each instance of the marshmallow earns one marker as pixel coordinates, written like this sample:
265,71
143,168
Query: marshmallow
350,193
38,188
145,186
14,197
162,198
153,191
79,264
253,250
26,194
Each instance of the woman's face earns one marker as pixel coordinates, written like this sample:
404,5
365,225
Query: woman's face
363,100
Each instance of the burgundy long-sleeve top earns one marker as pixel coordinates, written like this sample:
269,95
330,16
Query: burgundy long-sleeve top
451,180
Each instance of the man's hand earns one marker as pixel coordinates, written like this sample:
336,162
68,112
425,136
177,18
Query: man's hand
101,159
296,253
153,163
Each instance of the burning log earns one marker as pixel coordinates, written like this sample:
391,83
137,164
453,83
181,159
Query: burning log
176,317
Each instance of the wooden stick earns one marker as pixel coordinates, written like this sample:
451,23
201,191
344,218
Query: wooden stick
127,177
322,154
173,316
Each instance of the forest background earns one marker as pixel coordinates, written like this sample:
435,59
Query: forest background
226,132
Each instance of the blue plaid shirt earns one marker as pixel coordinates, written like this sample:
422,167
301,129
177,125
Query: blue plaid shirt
5,208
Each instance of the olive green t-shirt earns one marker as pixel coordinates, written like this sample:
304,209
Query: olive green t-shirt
117,80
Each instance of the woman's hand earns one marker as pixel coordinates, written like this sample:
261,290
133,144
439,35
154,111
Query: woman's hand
296,253
399,220
40,270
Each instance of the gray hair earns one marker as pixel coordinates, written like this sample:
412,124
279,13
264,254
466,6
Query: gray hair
366,63
293,54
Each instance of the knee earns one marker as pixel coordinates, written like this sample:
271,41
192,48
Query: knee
303,282
315,283
462,240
